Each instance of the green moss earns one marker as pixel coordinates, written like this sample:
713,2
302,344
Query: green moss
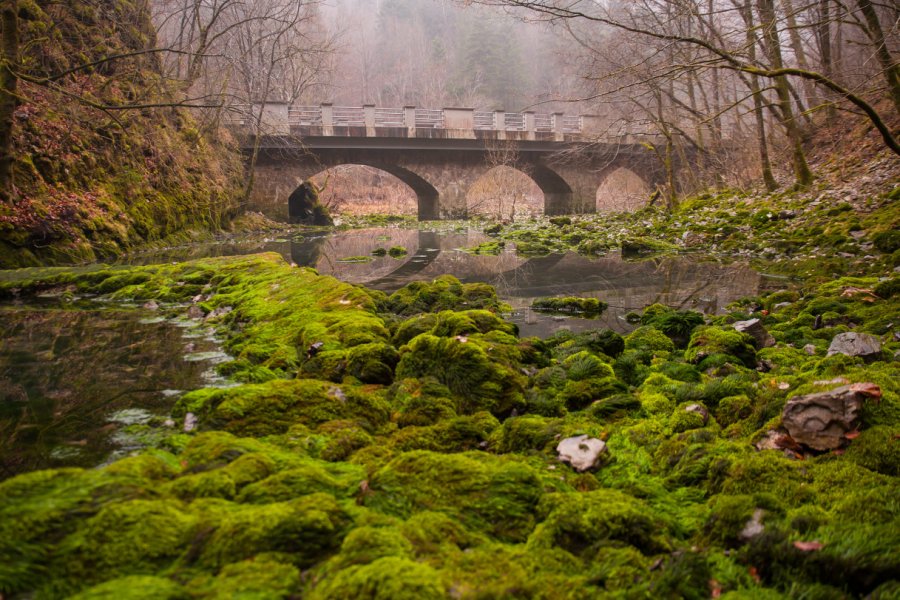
421,401
451,435
389,578
372,363
587,307
583,365
272,407
649,339
444,293
396,251
466,368
308,529
526,433
258,579
131,537
581,523
135,587
365,545
707,341
484,493
877,449
310,477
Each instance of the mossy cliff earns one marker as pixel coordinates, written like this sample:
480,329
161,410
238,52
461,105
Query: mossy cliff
403,446
92,182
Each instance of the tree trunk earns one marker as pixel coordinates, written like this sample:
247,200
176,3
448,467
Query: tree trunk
9,58
889,67
823,38
802,173
797,47
765,163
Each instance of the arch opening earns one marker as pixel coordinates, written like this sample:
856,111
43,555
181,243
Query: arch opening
558,195
622,190
366,190
505,193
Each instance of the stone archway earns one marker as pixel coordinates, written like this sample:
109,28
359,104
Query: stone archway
622,190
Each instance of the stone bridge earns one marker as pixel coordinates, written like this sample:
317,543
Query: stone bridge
439,153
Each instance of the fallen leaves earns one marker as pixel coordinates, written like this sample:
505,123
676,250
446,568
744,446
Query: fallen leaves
808,546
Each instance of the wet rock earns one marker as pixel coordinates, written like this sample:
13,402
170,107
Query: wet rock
822,421
756,330
151,305
855,344
581,452
195,312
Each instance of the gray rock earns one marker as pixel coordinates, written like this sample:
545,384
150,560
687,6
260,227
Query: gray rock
582,452
821,421
756,330
810,349
151,305
855,344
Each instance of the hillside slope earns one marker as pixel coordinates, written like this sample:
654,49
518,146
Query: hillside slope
91,182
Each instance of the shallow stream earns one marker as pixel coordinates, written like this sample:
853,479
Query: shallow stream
80,381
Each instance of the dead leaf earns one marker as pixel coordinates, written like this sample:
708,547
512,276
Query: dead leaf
852,435
869,389
809,546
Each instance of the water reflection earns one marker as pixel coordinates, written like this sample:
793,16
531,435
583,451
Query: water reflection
682,281
70,380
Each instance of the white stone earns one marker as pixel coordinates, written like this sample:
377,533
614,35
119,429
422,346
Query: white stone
582,452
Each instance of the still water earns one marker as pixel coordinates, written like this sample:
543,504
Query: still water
82,382
681,281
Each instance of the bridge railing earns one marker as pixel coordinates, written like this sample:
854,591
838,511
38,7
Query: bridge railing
410,121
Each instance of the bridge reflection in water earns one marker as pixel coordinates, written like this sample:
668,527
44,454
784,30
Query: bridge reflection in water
683,282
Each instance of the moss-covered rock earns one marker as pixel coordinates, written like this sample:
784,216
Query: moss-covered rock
273,407
467,368
485,493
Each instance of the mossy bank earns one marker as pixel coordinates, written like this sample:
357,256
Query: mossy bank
92,183
404,446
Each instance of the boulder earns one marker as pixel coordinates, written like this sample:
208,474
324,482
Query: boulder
822,421
855,344
304,206
581,452
755,329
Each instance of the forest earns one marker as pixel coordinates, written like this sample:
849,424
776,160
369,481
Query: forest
451,299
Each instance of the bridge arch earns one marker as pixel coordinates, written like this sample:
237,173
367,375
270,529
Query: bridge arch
622,189
504,192
427,205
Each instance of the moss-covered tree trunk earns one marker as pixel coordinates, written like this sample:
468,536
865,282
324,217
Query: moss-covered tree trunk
9,58
767,20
